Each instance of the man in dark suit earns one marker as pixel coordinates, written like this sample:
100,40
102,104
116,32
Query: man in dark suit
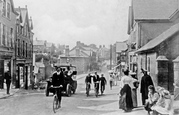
103,83
146,81
58,80
8,80
96,81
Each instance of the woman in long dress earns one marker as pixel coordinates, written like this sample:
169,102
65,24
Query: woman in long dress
126,84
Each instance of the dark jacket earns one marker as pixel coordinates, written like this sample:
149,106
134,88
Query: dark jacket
96,78
145,82
103,80
7,77
88,79
58,80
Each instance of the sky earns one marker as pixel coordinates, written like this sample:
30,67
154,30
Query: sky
100,22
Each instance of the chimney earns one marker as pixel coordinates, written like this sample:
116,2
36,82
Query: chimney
78,43
77,51
103,46
67,50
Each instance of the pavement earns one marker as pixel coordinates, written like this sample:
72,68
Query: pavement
113,107
3,94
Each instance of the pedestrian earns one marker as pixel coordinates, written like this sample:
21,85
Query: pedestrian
96,81
125,92
111,80
146,81
103,83
88,81
8,80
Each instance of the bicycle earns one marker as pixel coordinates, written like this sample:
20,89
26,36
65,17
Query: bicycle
96,88
56,104
87,89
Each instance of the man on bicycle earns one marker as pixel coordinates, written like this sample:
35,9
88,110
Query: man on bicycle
58,80
96,81
103,83
88,81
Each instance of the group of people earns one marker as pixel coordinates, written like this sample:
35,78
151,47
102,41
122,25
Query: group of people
97,80
154,100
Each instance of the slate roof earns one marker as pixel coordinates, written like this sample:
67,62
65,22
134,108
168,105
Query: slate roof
162,37
154,9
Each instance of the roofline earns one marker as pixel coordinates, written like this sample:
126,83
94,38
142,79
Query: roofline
152,20
174,13
145,50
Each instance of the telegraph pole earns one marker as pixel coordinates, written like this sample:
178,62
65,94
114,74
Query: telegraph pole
110,57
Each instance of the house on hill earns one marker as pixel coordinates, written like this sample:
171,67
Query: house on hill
80,56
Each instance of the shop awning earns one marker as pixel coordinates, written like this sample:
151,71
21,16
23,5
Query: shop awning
162,37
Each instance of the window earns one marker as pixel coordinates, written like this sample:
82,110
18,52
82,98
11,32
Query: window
7,37
8,10
23,48
0,33
12,37
18,45
4,8
26,50
3,34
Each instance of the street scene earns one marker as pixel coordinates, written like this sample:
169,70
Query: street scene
89,57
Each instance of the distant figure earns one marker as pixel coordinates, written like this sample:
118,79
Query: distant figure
111,80
146,81
103,83
8,80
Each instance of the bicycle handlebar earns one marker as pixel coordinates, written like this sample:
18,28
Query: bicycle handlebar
56,87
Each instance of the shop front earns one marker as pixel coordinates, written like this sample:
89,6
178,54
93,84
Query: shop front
5,65
23,74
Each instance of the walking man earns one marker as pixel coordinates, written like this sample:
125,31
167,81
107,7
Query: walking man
103,83
8,80
146,81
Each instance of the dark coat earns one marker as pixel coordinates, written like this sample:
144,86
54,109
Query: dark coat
58,80
145,82
96,78
88,79
7,77
103,80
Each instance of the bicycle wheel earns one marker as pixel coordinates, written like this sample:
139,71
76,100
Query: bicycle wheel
55,104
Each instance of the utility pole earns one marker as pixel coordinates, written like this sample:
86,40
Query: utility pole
110,57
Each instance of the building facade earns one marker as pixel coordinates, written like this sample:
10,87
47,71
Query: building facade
24,48
7,36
